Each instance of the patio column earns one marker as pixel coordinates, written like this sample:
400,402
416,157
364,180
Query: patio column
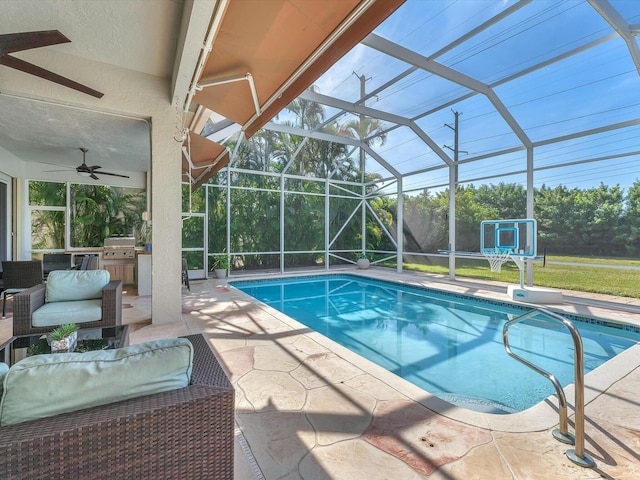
530,206
166,210
453,174
400,226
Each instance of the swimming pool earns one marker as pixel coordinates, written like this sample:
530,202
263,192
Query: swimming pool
448,344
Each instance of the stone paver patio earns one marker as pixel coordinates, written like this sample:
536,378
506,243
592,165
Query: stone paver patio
309,409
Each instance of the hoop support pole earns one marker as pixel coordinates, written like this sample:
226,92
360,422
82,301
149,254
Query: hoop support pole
519,261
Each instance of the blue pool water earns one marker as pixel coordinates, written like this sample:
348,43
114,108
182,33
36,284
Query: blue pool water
450,345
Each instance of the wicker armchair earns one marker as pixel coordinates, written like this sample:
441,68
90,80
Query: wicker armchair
184,433
18,276
55,261
28,301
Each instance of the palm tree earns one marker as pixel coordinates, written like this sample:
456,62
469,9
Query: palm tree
368,130
308,113
317,157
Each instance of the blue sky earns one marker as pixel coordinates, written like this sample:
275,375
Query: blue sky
583,91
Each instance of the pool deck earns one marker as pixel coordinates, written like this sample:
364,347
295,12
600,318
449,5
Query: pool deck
308,408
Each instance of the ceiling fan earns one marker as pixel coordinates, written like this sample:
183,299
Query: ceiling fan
16,42
86,171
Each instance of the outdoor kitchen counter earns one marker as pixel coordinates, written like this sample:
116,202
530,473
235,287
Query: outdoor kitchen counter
144,273
79,253
119,259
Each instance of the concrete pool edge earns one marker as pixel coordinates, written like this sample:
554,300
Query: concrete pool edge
540,417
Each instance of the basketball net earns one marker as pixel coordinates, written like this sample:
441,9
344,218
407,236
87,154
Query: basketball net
496,257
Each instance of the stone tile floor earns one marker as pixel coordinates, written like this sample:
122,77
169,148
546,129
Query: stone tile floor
309,409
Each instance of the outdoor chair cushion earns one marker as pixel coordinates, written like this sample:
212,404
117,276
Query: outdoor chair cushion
4,368
51,384
80,311
72,285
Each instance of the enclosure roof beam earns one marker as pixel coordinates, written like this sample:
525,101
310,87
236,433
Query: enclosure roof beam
335,166
479,29
295,154
495,154
381,88
404,54
379,114
521,73
620,25
593,131
361,101
482,27
327,137
352,107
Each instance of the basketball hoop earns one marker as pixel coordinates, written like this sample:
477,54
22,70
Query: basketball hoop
496,257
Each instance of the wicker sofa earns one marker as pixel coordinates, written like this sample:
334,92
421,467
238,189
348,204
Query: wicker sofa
183,433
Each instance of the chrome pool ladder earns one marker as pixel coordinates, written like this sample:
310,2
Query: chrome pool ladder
577,454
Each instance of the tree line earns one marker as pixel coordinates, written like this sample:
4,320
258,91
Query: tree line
599,221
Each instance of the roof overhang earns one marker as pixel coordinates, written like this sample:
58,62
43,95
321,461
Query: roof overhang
263,54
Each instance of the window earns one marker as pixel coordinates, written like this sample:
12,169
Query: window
93,213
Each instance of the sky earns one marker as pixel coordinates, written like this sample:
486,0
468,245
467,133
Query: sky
587,90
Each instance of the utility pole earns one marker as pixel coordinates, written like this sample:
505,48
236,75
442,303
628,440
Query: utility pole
453,185
455,149
363,92
363,244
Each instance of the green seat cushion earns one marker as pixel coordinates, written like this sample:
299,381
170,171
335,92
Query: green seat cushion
70,285
4,368
51,384
58,313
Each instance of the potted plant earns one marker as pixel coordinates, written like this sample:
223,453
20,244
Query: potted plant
63,338
363,261
146,236
220,266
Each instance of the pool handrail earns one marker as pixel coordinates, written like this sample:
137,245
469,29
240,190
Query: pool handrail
576,455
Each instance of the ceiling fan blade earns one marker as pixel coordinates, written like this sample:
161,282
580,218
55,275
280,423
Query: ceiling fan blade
94,176
16,42
94,167
112,174
27,67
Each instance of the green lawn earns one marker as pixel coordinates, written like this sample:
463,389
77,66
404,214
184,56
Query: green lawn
611,281
599,260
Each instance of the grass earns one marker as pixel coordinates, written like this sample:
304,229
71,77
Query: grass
610,281
632,262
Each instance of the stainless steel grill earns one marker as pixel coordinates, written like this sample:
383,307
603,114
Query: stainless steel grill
119,248
119,258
